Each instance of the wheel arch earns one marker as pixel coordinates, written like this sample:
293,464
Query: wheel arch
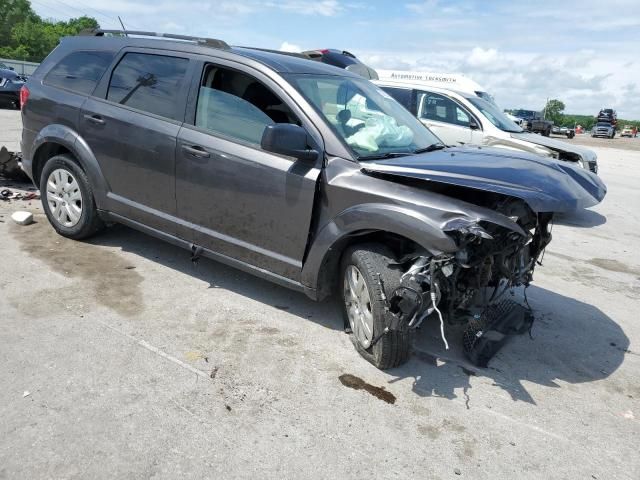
58,139
401,229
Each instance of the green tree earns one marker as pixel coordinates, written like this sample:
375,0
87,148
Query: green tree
26,36
553,111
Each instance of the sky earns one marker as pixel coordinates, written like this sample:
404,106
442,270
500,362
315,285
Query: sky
584,53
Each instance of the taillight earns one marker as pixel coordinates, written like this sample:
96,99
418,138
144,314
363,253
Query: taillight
24,96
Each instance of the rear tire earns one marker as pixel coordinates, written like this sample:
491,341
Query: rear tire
371,268
67,198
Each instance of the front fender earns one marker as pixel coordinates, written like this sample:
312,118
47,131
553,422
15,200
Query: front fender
366,218
70,139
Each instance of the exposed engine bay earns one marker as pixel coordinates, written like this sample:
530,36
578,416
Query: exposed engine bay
468,287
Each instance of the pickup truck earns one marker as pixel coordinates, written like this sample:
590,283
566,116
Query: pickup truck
533,121
603,129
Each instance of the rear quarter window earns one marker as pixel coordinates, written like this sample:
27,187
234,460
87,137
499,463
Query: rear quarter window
148,82
79,71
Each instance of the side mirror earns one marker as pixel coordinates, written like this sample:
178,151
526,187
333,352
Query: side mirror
288,139
473,125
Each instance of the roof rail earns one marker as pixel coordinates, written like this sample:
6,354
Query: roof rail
279,52
209,42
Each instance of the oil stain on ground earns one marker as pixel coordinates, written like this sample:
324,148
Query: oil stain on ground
614,265
99,274
356,383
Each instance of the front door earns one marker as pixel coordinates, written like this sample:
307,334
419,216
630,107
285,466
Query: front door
444,117
237,199
132,131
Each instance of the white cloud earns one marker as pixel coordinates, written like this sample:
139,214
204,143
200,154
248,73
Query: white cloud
327,8
480,57
290,47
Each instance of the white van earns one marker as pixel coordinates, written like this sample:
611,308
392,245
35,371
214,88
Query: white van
451,81
458,117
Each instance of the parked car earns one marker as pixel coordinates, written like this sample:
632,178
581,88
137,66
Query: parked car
568,132
607,115
342,59
299,172
462,118
627,131
533,121
603,129
10,85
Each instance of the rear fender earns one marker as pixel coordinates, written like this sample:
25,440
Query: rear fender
68,138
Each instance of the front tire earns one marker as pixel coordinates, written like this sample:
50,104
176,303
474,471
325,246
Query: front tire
67,198
367,277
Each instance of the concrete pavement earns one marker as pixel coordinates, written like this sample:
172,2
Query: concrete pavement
123,359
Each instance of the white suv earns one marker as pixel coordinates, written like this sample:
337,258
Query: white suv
464,118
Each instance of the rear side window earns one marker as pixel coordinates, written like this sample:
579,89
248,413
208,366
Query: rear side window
148,82
79,71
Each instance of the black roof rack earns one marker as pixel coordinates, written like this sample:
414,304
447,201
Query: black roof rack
210,42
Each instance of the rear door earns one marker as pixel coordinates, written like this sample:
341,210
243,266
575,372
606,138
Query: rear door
237,199
131,124
447,119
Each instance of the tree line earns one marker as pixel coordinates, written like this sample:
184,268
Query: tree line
24,35
554,111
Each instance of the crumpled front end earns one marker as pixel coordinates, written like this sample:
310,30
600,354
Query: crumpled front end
469,286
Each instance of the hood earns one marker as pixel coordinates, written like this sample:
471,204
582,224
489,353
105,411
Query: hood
546,185
558,145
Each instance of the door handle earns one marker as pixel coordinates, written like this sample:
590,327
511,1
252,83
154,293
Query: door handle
196,151
97,119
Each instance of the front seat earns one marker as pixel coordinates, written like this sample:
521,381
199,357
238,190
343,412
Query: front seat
260,96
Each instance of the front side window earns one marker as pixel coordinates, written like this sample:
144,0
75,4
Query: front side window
148,82
364,116
236,105
79,71
439,108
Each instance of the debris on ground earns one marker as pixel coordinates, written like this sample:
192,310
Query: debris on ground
7,194
10,164
26,394
22,217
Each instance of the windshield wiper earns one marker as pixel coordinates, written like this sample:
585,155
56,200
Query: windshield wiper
380,156
431,148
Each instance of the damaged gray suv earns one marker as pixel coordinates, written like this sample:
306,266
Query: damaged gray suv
298,172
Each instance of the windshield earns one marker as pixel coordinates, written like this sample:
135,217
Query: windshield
486,96
495,115
365,117
603,124
525,114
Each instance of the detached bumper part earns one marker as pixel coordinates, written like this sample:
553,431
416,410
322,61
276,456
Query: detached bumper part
486,335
